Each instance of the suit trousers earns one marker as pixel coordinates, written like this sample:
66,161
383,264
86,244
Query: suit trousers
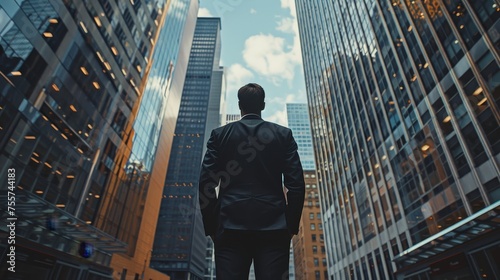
269,250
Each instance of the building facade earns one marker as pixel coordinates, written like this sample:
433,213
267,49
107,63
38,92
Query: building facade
309,252
308,245
291,265
298,122
73,75
180,242
154,128
232,118
210,261
404,104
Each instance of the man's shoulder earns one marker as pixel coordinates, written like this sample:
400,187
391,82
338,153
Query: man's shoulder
277,126
269,124
223,127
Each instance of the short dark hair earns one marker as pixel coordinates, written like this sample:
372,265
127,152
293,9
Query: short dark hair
251,98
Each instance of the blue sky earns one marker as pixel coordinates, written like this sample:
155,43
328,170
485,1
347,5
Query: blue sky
260,43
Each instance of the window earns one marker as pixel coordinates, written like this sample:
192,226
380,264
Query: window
313,226
315,249
119,122
491,128
394,246
316,262
475,200
311,216
458,156
404,241
313,237
492,188
475,147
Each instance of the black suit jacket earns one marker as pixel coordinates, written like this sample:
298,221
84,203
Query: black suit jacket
251,160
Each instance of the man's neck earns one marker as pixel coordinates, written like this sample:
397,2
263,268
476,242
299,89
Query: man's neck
243,114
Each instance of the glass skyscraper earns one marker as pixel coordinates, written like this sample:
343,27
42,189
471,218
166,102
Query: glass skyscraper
154,127
298,122
180,242
309,256
73,79
404,100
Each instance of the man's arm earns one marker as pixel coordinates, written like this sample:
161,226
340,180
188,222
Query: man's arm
207,184
294,182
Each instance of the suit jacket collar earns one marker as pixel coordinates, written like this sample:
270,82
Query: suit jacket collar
251,116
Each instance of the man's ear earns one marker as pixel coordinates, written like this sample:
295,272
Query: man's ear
239,106
263,105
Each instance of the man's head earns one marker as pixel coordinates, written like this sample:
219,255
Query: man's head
251,99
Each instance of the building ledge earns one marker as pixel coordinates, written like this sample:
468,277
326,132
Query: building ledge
476,225
32,216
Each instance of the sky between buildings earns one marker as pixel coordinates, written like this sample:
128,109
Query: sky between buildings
260,43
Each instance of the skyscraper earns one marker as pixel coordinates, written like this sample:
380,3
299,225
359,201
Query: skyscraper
232,118
72,77
154,128
308,245
180,242
404,103
298,122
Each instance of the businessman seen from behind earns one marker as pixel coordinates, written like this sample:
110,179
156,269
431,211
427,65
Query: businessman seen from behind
251,218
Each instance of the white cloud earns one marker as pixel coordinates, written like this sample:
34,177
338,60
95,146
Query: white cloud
287,25
290,4
253,11
268,55
278,117
280,100
276,105
204,12
237,76
271,56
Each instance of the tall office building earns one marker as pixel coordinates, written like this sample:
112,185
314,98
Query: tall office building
309,255
298,122
154,127
232,118
404,101
180,242
72,77
309,252
291,265
210,261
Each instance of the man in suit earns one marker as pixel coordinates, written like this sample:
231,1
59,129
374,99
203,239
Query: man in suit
253,216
